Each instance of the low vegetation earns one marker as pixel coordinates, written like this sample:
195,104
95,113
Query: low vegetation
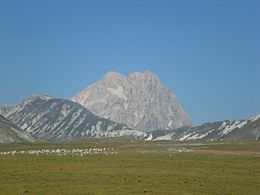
132,167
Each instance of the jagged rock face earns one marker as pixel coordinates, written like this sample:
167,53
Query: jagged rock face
216,131
11,133
58,120
138,100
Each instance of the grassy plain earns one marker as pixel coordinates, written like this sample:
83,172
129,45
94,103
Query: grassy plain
139,168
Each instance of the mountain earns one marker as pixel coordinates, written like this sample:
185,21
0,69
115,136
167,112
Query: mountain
4,109
59,120
11,133
44,117
217,131
138,100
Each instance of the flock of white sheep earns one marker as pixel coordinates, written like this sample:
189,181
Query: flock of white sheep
62,152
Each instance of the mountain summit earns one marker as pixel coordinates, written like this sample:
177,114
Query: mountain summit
138,100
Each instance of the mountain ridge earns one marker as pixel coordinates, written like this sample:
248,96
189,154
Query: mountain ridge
150,110
242,129
61,120
47,118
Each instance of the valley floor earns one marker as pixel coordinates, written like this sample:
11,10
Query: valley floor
133,167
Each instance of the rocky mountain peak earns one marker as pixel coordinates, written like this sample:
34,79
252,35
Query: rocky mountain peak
138,100
145,75
113,75
39,96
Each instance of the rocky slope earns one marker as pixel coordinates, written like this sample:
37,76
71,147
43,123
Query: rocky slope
11,133
138,100
217,131
58,120
4,109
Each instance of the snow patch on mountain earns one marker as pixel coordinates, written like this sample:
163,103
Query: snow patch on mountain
165,137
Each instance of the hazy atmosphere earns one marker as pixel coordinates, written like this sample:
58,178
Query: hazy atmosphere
206,52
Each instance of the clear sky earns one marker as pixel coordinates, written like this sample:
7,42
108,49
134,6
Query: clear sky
207,52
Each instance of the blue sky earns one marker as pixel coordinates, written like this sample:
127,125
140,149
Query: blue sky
207,52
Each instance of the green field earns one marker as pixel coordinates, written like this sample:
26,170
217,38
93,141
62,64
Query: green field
136,168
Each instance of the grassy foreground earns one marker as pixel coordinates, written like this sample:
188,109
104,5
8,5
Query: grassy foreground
138,168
